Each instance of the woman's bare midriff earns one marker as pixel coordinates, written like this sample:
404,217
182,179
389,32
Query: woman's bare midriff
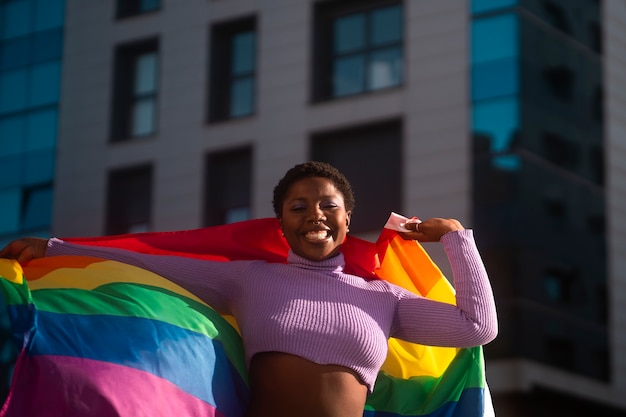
283,385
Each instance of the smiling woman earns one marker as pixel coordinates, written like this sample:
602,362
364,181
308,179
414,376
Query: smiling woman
315,336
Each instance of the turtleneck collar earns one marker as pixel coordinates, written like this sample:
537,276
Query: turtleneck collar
334,264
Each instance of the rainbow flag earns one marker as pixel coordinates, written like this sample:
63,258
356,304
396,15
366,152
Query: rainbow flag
103,338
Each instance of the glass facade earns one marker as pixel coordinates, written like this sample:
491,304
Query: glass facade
31,43
536,80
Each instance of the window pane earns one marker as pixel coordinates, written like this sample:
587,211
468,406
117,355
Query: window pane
129,198
138,228
11,171
349,33
12,131
243,53
15,53
47,45
497,119
349,75
495,79
479,6
10,210
241,98
13,90
385,69
148,5
37,208
494,38
228,186
49,14
143,117
38,167
41,130
45,84
16,19
386,25
237,214
145,73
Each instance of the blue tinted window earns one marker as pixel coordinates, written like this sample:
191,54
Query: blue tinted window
38,167
10,210
12,131
49,14
494,38
45,83
241,97
386,25
349,75
350,34
41,130
495,79
243,53
16,19
367,53
47,45
15,53
479,6
149,5
497,119
13,90
37,208
385,68
11,172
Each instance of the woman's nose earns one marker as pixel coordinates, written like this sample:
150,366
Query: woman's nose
316,214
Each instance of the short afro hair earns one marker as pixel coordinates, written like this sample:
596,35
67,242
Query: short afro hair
312,169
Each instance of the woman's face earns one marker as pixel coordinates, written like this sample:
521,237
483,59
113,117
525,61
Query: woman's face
314,219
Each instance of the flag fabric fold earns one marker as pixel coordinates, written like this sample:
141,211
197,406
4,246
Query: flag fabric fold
98,337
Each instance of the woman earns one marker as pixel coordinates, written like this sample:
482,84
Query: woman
314,336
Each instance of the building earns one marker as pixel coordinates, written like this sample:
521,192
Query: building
506,114
31,47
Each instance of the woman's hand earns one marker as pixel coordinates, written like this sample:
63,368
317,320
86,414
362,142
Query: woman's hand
430,230
25,249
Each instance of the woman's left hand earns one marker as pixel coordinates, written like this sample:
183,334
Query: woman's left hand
430,230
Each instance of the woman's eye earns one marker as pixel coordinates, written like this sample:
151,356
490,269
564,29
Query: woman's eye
329,206
297,208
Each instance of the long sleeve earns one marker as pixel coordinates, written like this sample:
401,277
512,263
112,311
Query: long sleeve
216,283
472,322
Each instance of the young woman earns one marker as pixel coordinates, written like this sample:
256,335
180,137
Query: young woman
314,336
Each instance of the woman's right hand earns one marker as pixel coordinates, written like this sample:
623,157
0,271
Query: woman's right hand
25,249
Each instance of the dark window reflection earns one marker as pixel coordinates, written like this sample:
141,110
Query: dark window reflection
559,150
560,80
229,186
557,15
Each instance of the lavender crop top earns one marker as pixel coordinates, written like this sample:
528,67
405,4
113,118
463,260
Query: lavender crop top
316,311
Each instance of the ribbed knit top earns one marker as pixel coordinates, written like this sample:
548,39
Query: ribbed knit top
314,310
